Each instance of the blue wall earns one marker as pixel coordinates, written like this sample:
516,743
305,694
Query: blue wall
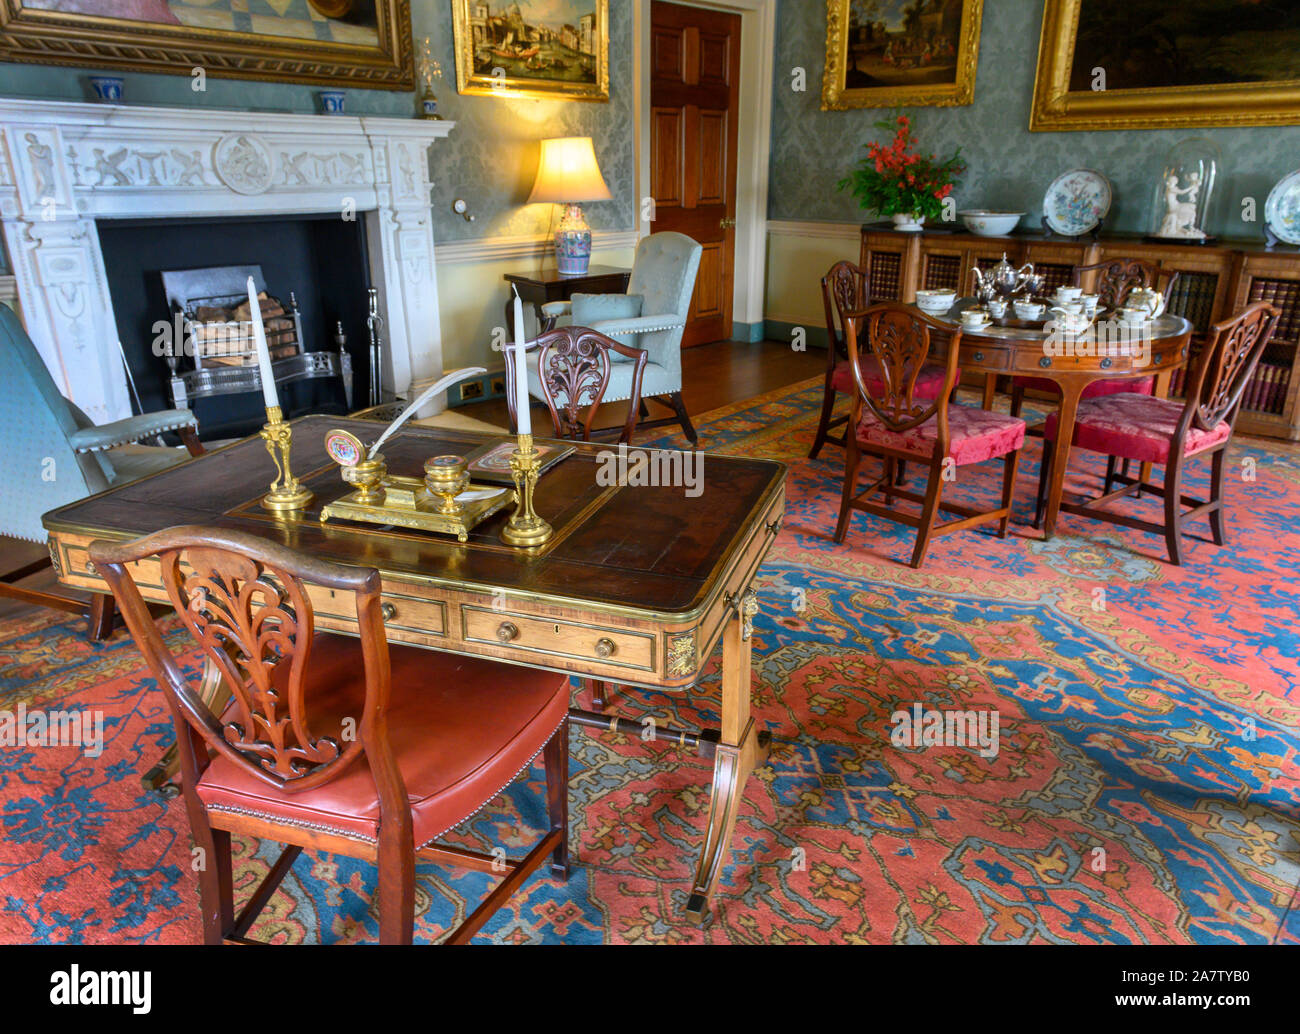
1009,167
489,159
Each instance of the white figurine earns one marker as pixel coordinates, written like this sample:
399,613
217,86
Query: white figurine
1180,207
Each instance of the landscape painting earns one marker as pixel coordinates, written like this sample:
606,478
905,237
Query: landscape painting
1143,64
1145,44
891,53
533,48
330,42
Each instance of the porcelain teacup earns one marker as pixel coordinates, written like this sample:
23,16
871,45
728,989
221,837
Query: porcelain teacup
1067,294
1133,317
1072,320
1089,302
973,319
997,308
1028,310
1069,308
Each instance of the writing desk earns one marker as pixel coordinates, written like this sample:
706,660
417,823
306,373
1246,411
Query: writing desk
637,584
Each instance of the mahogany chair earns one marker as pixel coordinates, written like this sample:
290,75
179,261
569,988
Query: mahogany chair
573,366
331,743
1115,279
896,424
845,290
1133,426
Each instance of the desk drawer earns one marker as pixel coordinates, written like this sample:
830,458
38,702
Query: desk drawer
556,637
984,358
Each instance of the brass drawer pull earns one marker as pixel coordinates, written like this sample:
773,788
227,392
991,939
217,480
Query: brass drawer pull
387,611
507,632
605,647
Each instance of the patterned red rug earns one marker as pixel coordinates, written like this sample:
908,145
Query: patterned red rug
1145,786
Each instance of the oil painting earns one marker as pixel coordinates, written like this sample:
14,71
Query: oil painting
533,48
1140,64
331,42
893,53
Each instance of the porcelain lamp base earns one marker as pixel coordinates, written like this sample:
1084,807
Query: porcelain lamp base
573,242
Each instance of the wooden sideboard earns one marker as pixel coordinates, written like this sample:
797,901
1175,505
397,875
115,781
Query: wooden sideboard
1214,281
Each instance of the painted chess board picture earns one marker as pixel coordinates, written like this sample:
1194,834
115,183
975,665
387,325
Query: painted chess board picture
533,48
331,42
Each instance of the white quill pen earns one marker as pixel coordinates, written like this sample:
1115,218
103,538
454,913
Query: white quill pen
428,393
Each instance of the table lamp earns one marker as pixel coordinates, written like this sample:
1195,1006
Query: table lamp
567,174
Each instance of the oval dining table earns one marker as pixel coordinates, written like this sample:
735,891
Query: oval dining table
1021,348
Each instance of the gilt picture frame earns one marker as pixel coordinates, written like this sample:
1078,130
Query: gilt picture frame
900,53
554,49
1196,63
366,43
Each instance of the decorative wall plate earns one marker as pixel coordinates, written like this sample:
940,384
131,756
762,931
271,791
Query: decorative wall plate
1282,209
1076,202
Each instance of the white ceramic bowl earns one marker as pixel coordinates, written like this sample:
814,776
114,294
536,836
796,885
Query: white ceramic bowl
935,301
987,222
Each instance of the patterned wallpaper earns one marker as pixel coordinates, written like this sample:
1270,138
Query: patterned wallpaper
490,158
1009,167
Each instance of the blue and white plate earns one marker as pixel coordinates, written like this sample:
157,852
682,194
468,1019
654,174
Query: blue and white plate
1076,202
1282,209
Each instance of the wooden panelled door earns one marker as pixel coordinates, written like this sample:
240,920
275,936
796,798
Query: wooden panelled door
694,101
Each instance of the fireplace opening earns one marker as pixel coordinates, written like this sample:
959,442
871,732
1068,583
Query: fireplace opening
320,260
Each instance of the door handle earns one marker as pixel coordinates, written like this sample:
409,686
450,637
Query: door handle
727,224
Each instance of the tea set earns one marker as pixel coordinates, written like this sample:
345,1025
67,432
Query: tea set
1003,292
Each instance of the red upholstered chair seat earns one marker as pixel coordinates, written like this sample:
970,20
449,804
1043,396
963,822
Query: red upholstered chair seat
929,382
461,729
974,435
1136,427
1098,388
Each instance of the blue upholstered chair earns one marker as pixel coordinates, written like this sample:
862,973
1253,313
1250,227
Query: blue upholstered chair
651,316
54,455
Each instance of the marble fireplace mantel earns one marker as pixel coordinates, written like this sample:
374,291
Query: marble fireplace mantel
65,165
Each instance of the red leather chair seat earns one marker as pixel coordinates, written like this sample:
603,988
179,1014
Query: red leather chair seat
1135,427
974,435
929,382
1098,388
461,728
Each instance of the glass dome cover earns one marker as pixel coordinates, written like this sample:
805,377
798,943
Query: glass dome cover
1184,191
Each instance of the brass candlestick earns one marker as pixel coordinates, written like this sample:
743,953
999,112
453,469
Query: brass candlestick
287,492
525,528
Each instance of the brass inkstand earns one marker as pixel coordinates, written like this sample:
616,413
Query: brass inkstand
441,501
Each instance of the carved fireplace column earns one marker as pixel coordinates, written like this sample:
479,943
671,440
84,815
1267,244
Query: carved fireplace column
402,267
62,290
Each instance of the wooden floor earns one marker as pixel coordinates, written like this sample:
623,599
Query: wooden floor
713,375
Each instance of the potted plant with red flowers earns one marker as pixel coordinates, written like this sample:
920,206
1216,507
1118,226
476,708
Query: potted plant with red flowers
898,181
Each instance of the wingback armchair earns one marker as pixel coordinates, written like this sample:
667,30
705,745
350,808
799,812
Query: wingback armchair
663,276
53,455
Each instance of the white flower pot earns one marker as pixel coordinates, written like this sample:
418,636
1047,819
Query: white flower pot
908,221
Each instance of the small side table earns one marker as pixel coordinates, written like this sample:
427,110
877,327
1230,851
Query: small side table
551,286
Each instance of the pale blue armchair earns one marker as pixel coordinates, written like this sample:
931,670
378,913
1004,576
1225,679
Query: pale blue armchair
651,316
52,454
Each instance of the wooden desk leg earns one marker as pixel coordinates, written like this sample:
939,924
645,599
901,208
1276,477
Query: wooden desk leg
990,390
216,694
740,749
1070,392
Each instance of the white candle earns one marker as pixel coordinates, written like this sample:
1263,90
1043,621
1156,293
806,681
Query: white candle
271,399
523,419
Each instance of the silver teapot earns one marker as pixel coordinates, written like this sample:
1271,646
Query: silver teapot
1005,280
